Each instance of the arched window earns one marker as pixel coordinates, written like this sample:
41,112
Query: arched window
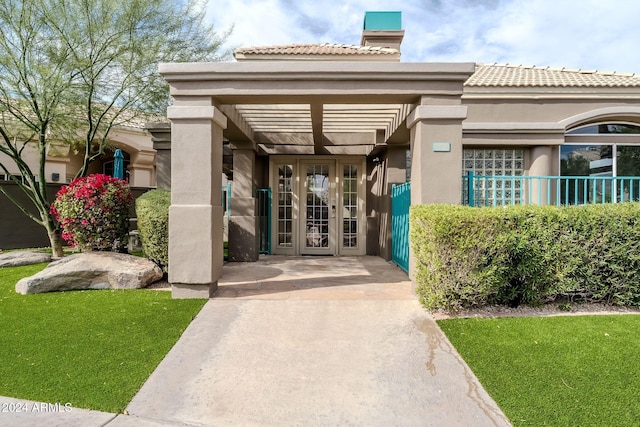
606,129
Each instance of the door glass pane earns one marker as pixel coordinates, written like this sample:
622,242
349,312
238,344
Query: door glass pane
586,160
285,217
350,206
317,219
628,163
628,160
593,160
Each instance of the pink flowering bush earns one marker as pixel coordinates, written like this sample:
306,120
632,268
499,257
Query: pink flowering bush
94,212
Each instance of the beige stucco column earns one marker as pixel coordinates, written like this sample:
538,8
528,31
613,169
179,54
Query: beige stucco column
396,162
161,138
243,222
541,165
436,153
142,169
436,156
195,215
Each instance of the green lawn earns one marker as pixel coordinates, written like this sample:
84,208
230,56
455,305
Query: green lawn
93,349
556,371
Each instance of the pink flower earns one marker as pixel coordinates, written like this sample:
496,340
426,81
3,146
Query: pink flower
93,211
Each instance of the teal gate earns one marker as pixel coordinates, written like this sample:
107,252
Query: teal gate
400,202
226,199
264,220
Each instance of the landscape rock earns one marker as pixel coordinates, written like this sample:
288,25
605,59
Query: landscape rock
92,270
18,258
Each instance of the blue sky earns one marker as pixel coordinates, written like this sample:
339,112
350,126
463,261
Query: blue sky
588,34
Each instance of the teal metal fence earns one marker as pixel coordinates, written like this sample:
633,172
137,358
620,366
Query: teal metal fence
480,190
400,202
226,199
264,219
264,215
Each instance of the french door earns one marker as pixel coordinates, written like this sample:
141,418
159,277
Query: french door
318,206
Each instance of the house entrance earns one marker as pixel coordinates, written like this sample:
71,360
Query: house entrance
319,206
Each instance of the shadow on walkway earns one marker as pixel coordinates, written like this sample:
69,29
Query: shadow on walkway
331,278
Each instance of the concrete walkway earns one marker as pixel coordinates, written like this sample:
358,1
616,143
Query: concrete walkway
306,341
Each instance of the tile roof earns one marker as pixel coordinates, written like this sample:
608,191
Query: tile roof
316,49
508,75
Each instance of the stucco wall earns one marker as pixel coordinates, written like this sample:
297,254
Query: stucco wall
532,110
538,124
16,229
390,169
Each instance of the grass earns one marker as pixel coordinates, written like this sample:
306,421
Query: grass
93,349
557,371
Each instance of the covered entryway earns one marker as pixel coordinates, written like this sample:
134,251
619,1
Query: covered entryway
328,138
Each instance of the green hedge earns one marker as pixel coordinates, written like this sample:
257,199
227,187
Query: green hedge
470,257
152,210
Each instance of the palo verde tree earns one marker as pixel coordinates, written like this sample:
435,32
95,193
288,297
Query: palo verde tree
72,70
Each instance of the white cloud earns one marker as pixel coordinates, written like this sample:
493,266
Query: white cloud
585,34
595,34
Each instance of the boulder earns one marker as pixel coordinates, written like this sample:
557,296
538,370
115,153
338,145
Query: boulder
18,258
92,270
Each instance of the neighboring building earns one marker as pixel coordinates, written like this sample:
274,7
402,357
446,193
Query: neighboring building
63,163
329,128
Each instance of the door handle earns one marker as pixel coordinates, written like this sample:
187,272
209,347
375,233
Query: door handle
333,210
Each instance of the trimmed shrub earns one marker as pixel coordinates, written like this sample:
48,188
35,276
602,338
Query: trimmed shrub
93,212
470,257
152,210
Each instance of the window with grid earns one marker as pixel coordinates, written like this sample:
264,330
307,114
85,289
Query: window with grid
285,206
492,167
350,206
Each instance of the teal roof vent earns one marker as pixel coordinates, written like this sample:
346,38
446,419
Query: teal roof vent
383,21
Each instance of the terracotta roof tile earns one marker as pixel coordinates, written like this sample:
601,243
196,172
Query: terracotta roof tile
507,75
316,49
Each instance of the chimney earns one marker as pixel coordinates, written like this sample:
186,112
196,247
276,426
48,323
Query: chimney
382,29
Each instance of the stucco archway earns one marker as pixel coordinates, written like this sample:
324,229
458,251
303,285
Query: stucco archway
142,156
607,114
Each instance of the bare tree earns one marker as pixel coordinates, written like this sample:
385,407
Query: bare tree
73,70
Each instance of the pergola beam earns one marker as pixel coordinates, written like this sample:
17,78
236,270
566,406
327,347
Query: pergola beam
316,128
238,129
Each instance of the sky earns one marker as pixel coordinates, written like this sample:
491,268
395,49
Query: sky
599,35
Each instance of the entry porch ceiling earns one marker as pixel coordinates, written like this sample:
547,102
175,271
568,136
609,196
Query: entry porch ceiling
335,117
279,127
